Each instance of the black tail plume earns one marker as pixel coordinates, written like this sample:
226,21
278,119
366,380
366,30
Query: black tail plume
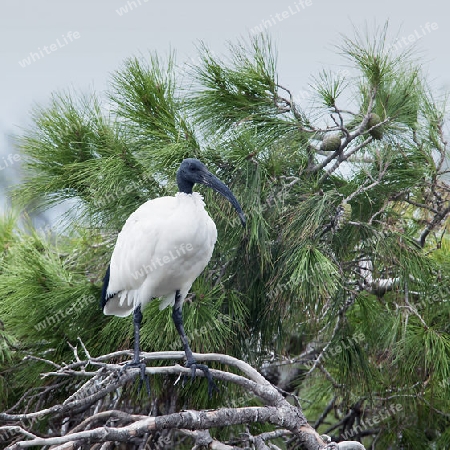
105,297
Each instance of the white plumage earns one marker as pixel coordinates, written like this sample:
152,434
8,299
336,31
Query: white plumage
163,247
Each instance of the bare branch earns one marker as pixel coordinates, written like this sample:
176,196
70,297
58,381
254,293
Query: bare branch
291,104
342,158
438,218
325,412
16,429
109,377
286,415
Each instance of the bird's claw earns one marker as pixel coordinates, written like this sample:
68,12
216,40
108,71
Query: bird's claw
143,376
205,369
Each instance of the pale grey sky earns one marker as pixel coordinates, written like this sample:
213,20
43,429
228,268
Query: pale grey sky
78,44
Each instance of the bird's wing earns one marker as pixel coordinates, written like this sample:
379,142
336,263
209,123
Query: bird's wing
134,254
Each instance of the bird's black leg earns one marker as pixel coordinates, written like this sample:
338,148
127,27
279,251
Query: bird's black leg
137,320
191,363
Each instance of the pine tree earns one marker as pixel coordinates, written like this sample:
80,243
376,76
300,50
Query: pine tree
338,290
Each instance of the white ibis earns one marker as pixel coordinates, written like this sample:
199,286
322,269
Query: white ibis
162,248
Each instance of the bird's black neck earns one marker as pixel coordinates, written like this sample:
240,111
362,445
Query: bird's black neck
184,185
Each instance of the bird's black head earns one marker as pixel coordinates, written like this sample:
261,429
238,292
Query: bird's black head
193,171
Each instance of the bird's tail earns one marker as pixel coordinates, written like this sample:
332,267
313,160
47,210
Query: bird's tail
113,303
117,305
105,297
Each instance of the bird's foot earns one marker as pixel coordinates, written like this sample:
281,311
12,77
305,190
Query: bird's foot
193,365
143,376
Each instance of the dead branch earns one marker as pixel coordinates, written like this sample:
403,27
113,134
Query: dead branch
119,426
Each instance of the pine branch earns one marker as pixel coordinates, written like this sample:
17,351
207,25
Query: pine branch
347,139
278,412
437,219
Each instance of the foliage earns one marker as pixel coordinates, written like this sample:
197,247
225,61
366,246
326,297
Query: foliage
338,289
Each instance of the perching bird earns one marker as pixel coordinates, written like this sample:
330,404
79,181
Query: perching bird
162,248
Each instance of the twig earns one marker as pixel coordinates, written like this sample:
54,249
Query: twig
47,361
291,103
18,429
322,353
324,414
105,416
342,159
438,218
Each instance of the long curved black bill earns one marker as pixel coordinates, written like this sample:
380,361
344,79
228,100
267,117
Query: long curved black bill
213,182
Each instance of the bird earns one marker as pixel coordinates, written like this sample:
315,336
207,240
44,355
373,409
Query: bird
162,248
